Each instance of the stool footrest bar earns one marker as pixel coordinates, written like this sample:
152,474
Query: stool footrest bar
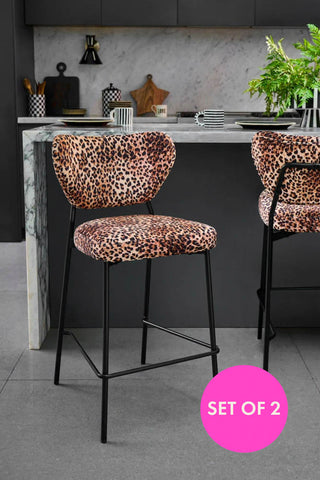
278,235
84,353
177,334
260,295
295,288
138,369
273,333
279,289
162,364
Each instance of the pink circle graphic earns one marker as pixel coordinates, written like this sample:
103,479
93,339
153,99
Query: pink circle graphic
244,408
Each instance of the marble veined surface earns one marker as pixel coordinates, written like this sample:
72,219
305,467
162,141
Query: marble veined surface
180,133
34,156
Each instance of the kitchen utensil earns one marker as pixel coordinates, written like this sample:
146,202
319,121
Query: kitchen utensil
61,92
74,112
41,87
37,105
211,118
122,116
159,110
148,95
265,125
109,94
27,85
86,122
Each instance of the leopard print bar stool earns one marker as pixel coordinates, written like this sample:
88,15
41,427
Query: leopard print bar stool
109,171
289,168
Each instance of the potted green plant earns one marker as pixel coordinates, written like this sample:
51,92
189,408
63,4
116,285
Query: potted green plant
286,80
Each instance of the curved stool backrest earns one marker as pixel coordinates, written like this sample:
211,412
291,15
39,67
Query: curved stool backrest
272,150
109,171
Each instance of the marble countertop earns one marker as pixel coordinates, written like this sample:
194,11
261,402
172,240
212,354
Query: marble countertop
54,120
229,118
180,133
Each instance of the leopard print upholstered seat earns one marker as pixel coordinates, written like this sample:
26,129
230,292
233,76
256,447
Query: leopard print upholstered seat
97,172
289,216
135,237
298,208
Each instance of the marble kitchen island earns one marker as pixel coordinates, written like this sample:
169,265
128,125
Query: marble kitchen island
213,181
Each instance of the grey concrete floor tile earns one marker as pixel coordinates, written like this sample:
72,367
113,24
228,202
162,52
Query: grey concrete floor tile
307,342
13,329
125,344
237,346
39,364
155,432
13,267
8,360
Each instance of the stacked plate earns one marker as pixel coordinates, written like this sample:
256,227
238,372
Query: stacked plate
74,112
119,104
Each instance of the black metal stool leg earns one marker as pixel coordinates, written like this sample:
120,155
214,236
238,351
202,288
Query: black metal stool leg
64,294
261,293
105,353
210,311
146,312
267,300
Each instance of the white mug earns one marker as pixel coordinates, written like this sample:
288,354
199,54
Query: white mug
122,116
211,118
159,110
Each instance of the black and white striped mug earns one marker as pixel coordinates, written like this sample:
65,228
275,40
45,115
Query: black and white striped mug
212,118
122,116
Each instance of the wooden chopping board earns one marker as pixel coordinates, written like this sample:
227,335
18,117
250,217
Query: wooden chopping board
61,92
148,95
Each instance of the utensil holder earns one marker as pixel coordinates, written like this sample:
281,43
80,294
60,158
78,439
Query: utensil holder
37,105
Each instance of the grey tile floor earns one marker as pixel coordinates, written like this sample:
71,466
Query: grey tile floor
51,433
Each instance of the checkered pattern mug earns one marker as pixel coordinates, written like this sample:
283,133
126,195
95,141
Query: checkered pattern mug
37,105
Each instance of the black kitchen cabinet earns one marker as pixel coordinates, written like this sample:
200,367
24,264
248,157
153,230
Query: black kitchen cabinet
139,12
287,12
18,62
210,13
63,12
216,12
